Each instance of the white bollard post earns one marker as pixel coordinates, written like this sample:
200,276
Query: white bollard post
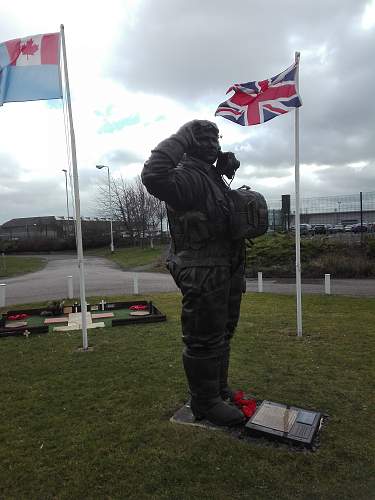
260,282
2,294
327,284
70,286
135,283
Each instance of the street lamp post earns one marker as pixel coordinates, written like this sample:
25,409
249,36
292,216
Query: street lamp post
110,202
67,198
339,213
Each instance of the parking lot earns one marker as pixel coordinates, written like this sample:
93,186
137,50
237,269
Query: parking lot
347,232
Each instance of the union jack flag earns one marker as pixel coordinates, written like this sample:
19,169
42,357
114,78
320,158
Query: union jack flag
257,102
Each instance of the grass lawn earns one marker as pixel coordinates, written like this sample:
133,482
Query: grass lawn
19,265
129,258
96,425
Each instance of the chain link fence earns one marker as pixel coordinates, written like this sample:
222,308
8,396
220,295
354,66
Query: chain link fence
340,210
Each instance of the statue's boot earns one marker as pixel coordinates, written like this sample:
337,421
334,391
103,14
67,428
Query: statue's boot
206,402
226,392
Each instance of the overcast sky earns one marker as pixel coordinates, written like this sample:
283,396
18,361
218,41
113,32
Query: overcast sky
140,69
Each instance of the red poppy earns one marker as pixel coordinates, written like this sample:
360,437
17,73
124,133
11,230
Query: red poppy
247,406
237,395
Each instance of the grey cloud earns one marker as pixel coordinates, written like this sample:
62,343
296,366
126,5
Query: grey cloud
361,179
9,169
120,157
19,199
263,172
38,197
193,51
275,150
87,177
272,148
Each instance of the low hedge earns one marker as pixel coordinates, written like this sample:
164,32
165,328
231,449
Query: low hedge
274,255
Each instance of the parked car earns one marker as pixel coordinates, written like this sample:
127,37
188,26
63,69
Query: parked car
358,228
303,229
320,229
348,228
337,228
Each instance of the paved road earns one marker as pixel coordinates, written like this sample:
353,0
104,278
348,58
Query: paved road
102,277
106,278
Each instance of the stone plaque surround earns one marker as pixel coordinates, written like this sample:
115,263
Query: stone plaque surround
75,322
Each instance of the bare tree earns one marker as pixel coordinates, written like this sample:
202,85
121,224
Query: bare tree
140,213
160,214
157,216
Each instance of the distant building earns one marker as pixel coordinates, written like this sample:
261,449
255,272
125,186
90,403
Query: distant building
32,227
339,209
53,227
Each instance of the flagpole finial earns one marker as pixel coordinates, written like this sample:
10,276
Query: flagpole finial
61,27
297,56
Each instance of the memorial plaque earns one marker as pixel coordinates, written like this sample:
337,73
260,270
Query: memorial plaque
15,324
51,321
77,318
284,422
102,315
279,418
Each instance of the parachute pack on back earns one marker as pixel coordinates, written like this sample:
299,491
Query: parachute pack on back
249,214
248,209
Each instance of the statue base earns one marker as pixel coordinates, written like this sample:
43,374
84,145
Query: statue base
273,424
185,416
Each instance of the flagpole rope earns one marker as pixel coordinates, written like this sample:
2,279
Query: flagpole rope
68,151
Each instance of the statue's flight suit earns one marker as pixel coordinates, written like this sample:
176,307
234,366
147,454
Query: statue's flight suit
206,265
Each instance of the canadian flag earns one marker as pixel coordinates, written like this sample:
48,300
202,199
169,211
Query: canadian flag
30,68
34,50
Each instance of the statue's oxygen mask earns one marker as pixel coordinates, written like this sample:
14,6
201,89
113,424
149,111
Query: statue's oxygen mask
227,164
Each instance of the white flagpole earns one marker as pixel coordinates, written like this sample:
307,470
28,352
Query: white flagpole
297,214
76,199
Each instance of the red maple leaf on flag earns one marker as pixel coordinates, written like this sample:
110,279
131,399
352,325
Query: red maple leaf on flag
29,48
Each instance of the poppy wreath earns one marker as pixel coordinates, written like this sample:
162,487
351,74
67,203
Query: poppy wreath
247,406
16,317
